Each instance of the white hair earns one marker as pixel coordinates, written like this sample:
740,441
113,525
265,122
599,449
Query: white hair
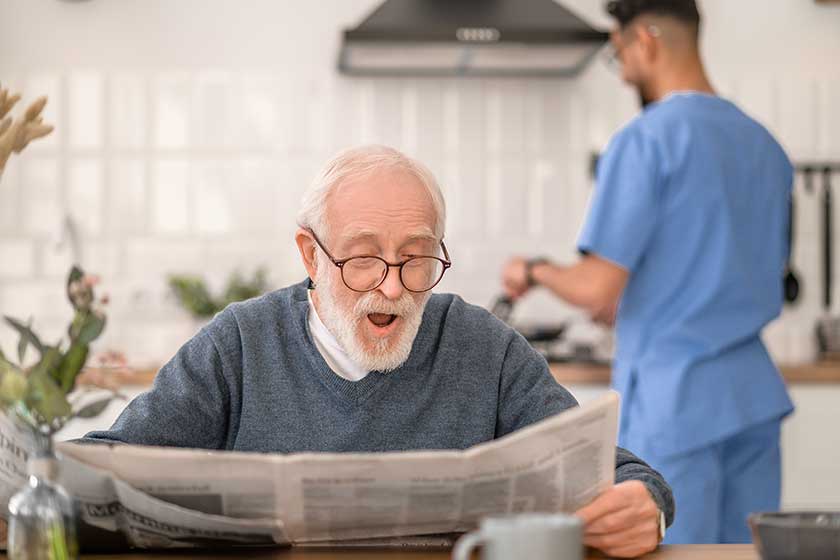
358,162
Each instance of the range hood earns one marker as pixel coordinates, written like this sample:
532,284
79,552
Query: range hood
469,38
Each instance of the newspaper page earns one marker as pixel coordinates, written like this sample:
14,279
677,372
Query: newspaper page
181,497
117,515
15,447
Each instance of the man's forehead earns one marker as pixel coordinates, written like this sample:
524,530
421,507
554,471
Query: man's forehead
380,181
354,232
393,200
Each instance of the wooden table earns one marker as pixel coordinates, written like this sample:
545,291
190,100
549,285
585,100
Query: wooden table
682,552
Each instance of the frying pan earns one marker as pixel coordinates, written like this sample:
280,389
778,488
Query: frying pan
503,308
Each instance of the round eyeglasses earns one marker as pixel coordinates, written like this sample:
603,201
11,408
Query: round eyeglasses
364,273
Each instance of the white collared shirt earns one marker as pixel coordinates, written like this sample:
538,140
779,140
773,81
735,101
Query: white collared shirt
330,349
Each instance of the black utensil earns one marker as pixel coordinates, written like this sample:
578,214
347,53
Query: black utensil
828,328
828,228
791,282
502,308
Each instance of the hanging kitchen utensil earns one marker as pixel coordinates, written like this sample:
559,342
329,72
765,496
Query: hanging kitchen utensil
828,227
791,282
828,327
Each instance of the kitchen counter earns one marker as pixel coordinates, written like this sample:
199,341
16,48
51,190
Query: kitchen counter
564,373
585,374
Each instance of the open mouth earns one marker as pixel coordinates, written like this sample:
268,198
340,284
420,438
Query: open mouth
381,320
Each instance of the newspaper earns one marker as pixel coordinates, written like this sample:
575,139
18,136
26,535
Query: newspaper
166,497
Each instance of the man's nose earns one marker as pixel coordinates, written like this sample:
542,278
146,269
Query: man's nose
392,287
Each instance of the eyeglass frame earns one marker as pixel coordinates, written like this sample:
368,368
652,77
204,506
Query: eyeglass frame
446,262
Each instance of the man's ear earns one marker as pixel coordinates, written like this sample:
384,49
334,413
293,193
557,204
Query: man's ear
306,246
648,43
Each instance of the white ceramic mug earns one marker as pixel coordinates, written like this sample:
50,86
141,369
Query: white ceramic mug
534,536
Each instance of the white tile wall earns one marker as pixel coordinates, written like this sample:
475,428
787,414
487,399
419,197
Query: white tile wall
41,195
85,96
198,165
127,201
86,194
170,197
9,208
19,256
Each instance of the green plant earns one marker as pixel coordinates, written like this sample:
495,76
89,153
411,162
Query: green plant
194,296
38,395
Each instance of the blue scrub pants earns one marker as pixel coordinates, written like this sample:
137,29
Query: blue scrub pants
718,486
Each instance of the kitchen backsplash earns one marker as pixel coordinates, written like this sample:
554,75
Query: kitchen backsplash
200,169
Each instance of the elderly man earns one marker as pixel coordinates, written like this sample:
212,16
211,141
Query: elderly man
363,358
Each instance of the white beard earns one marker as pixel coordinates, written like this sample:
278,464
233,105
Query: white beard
388,353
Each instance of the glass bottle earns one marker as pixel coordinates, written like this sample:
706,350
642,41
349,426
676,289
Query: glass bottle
42,519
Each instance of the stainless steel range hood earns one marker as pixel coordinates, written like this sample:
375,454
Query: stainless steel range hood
469,38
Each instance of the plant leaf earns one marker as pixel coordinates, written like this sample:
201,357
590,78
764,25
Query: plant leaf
27,337
4,361
49,362
71,364
45,400
240,289
76,274
12,385
23,414
91,327
94,409
193,295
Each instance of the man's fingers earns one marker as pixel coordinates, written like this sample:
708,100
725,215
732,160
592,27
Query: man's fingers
513,291
600,506
622,521
5,124
514,280
644,535
631,494
614,522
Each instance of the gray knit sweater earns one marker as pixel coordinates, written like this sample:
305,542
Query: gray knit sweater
253,380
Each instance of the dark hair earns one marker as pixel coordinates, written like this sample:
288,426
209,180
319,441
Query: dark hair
626,11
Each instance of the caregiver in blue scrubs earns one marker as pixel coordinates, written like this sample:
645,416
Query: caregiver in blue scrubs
684,248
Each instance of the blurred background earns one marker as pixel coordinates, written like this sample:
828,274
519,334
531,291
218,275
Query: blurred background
186,132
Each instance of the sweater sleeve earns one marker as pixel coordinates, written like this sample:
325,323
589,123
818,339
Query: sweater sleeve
529,393
188,405
630,467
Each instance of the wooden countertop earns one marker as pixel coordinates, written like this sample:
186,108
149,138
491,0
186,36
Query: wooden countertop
583,374
565,373
683,552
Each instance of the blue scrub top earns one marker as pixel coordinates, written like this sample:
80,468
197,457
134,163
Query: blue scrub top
692,199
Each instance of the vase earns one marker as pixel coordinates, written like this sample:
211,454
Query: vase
42,516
